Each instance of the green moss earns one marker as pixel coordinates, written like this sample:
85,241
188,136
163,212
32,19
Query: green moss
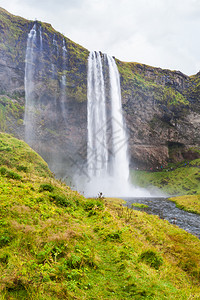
173,98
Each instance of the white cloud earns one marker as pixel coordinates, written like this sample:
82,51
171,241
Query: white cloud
156,32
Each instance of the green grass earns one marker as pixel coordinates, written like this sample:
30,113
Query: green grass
189,203
55,244
140,205
18,156
182,180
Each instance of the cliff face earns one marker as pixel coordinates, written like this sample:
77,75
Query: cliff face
161,107
162,110
61,111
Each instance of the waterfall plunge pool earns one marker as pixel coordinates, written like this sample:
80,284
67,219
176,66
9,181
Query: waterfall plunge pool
167,210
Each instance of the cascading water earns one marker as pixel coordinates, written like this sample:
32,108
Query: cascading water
55,53
97,151
107,147
120,142
63,83
41,41
64,51
29,120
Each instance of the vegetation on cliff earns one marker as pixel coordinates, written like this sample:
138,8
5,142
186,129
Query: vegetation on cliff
13,43
13,32
11,113
55,244
164,85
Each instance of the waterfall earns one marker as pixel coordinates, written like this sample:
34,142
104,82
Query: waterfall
64,51
119,137
29,86
63,84
41,41
107,145
55,52
56,45
97,152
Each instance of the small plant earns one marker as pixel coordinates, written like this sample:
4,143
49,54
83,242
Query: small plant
92,206
46,187
22,168
60,200
13,175
3,170
10,174
4,258
152,259
114,236
4,240
81,258
49,252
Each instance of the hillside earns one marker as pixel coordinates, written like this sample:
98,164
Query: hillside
175,179
161,107
55,244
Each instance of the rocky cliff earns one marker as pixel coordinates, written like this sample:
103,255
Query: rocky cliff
161,107
162,110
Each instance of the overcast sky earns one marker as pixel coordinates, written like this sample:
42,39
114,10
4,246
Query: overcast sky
161,33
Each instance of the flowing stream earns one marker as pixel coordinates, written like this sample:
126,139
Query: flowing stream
167,210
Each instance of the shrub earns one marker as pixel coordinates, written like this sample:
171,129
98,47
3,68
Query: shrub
13,175
60,200
50,251
114,236
46,187
22,168
4,240
3,170
92,206
152,259
10,174
81,258
4,257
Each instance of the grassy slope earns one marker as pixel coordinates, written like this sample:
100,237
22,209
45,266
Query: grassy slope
189,203
183,180
55,244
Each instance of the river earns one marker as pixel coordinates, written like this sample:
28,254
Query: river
167,210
